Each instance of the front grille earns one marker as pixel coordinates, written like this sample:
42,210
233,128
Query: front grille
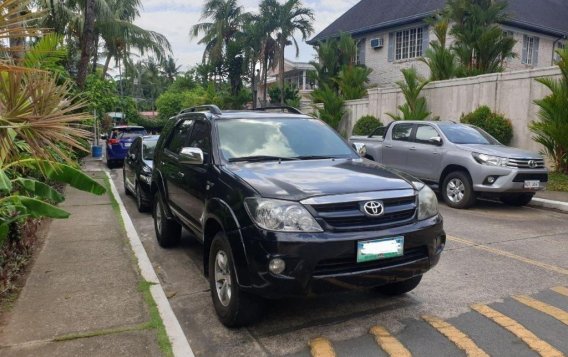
526,163
350,265
349,215
531,177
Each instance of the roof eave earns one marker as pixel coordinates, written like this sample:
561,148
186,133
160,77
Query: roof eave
537,28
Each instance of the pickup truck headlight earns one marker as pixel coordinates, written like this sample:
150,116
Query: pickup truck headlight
281,216
427,203
485,159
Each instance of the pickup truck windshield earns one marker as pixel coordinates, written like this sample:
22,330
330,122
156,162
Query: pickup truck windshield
280,139
465,134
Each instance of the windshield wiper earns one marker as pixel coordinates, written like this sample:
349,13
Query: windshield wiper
258,158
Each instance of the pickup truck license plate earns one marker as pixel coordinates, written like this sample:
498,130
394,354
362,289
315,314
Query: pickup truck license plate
532,184
380,249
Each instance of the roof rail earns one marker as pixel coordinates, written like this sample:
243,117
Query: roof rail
284,107
207,107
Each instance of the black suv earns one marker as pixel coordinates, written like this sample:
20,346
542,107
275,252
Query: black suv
285,206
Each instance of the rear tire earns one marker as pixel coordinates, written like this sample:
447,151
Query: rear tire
168,231
457,190
110,164
519,200
126,190
234,308
401,287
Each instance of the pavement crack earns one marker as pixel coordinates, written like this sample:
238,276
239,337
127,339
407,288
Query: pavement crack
103,332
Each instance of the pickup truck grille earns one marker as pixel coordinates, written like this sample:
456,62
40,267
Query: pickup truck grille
526,163
349,215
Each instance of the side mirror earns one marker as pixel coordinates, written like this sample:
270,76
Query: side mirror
436,140
191,156
104,136
360,148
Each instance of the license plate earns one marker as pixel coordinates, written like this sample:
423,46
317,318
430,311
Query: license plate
127,145
532,184
380,249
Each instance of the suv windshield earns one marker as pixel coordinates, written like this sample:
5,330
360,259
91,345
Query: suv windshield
274,139
148,147
466,134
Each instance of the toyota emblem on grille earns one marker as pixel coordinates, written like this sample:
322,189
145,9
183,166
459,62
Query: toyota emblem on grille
532,164
373,208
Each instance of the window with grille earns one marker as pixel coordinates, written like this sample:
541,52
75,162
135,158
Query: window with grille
530,50
360,54
408,43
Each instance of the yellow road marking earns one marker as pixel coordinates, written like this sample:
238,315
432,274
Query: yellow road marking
503,253
535,343
321,347
553,311
460,339
389,343
561,290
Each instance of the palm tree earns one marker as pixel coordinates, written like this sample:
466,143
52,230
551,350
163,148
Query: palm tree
170,69
289,17
439,58
224,22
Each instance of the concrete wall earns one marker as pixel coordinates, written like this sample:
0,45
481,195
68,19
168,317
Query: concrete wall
509,93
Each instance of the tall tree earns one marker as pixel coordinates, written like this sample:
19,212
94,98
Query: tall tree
87,40
289,18
480,43
439,58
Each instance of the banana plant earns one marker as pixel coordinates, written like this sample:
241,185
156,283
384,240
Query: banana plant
22,197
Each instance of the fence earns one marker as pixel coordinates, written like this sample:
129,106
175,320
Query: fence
508,93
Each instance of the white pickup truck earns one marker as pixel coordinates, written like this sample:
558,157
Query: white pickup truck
461,161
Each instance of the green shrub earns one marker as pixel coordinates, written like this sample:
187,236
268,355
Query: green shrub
366,125
495,124
332,111
291,94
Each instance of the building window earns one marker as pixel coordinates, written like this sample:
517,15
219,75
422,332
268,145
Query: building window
408,43
530,50
360,53
559,46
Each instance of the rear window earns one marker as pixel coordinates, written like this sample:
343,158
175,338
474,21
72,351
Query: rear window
123,133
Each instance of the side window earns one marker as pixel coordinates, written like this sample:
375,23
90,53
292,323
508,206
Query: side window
424,133
200,137
401,132
179,136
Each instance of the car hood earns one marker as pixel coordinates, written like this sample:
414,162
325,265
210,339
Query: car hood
298,180
502,151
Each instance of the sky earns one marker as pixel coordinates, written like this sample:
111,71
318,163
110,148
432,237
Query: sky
174,18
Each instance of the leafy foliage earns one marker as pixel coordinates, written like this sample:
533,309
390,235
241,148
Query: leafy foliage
415,107
101,94
557,182
332,111
551,131
495,124
352,82
291,95
440,59
366,125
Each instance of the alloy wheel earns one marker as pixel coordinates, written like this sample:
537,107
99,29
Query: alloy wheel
159,217
223,284
455,190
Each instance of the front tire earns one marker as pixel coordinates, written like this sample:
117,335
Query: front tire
457,190
234,308
519,200
168,231
140,203
401,287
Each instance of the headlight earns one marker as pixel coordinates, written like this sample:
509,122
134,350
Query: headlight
490,160
427,203
282,216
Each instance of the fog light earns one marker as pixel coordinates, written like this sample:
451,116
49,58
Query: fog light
276,266
491,179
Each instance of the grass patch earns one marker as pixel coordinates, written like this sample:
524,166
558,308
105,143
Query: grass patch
155,319
557,182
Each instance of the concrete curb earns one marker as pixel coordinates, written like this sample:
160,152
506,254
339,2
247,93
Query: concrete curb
179,342
544,203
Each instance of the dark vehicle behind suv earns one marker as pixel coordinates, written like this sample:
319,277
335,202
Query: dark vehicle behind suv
285,207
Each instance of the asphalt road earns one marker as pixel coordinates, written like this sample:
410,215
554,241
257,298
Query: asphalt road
495,291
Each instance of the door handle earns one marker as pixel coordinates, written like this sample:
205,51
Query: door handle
435,152
181,174
388,146
413,148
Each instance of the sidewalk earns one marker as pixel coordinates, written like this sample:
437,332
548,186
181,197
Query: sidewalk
83,294
551,199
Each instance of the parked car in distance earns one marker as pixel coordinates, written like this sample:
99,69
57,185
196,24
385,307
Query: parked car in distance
285,207
460,160
137,170
118,141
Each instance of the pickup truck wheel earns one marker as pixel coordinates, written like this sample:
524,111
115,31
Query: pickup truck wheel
401,287
457,190
233,307
521,199
168,231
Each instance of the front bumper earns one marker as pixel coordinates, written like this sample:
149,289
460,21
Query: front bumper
326,262
508,179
